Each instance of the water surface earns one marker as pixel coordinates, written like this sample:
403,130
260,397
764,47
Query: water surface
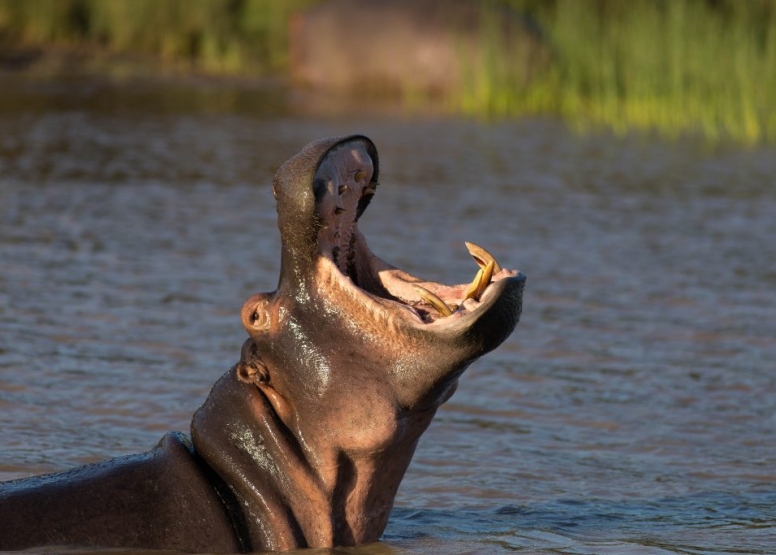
632,411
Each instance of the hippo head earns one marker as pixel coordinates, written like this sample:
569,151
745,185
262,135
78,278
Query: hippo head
349,346
349,358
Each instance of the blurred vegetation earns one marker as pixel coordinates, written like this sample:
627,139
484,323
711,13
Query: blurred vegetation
215,36
677,66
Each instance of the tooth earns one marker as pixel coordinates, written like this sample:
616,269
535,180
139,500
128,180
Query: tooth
433,300
487,274
482,257
471,292
369,190
481,282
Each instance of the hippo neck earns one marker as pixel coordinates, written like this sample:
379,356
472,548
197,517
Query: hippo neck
290,497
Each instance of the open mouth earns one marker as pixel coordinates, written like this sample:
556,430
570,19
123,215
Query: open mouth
424,302
343,188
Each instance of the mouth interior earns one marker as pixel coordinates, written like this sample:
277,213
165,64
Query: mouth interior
343,188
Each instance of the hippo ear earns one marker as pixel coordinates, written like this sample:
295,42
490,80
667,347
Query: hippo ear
251,369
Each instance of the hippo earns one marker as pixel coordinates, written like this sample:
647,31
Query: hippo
304,441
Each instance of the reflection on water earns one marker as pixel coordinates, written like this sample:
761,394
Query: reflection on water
633,410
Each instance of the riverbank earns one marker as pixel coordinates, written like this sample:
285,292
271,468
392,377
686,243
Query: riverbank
678,67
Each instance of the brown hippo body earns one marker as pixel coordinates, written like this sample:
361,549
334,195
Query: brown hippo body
304,442
139,501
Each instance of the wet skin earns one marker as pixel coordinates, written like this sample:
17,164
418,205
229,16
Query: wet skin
305,440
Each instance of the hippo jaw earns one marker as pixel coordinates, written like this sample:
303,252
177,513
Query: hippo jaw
346,365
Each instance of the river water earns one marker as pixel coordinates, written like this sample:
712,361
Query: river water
632,411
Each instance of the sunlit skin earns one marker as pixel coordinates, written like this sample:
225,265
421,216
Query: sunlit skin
303,443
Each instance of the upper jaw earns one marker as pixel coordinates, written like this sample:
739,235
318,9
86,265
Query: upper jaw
323,213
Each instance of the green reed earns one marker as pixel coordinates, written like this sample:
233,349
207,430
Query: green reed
676,66
216,36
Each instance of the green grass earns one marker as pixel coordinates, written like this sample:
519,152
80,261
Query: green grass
675,66
215,36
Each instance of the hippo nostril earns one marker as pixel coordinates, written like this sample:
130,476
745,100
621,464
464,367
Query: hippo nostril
320,189
341,189
338,210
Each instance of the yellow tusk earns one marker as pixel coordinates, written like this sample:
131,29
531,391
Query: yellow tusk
482,257
481,282
433,300
471,292
487,274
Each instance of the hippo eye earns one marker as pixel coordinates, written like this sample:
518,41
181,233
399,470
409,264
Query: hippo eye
360,174
259,319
